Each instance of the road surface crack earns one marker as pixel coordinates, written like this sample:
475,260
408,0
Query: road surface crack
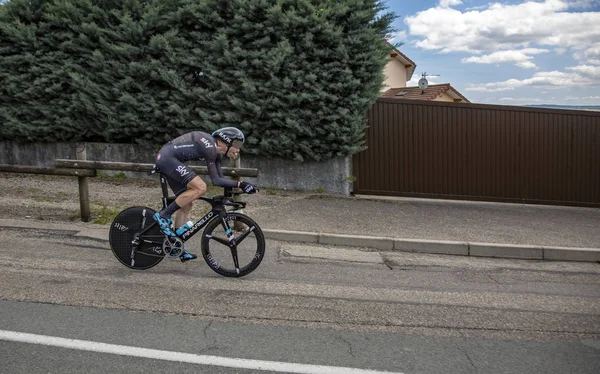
211,343
350,350
466,352
493,280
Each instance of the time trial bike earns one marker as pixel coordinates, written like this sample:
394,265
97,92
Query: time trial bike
232,244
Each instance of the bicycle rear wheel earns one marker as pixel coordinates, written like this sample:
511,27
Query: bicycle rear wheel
247,253
125,227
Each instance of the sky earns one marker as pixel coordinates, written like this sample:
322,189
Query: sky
509,52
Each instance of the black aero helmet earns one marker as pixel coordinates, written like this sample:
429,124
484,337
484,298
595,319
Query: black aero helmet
231,136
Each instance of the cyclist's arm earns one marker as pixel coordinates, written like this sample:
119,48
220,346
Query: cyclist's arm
216,175
218,165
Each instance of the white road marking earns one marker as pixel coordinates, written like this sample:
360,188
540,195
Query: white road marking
240,363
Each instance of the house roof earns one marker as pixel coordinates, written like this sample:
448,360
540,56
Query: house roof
429,94
407,62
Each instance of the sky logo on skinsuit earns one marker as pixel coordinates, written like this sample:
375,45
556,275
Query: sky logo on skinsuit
206,143
182,170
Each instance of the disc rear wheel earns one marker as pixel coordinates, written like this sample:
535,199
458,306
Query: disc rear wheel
128,225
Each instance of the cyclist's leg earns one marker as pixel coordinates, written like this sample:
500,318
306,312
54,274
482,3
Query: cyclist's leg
182,215
186,195
195,188
178,176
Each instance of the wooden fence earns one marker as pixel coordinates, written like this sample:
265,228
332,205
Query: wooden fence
82,169
480,152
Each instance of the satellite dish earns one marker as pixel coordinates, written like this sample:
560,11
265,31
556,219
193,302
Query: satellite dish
423,81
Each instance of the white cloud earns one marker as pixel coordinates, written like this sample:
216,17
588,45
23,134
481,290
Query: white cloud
585,98
583,76
449,3
520,58
524,99
591,55
549,99
526,65
505,27
587,71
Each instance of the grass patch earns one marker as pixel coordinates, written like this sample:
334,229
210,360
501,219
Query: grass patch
53,197
103,215
271,191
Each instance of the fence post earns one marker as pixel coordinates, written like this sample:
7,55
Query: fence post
84,196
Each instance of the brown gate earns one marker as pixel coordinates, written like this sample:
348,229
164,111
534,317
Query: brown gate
480,152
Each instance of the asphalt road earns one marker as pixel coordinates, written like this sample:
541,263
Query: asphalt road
307,308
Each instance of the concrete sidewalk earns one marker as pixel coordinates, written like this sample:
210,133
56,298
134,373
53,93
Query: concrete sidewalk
439,226
501,230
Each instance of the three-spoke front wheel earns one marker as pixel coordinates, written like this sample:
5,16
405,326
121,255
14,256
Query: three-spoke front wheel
233,246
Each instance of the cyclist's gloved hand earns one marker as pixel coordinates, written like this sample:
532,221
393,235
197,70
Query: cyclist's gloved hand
248,188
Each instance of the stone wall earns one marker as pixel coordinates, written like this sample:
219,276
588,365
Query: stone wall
329,176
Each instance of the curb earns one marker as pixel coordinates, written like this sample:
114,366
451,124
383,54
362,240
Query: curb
458,248
444,247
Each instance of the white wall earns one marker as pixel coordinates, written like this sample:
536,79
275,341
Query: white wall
395,74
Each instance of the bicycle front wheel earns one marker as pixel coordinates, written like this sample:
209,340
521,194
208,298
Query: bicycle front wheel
227,258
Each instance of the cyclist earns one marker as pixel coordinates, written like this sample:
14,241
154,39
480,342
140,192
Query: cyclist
187,185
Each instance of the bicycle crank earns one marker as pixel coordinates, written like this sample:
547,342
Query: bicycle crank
172,247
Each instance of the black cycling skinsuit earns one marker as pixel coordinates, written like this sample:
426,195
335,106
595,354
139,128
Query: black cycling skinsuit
193,146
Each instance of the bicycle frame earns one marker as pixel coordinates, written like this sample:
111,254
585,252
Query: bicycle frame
218,210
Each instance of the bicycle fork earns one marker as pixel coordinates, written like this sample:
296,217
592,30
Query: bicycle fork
232,244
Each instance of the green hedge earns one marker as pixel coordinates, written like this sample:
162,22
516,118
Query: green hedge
297,76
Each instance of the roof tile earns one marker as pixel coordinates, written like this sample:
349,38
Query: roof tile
416,93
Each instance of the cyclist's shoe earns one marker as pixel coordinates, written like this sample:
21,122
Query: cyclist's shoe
186,256
165,224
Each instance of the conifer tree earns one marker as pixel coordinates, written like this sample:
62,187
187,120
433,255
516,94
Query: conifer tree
297,76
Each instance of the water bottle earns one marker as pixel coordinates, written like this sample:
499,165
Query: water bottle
185,227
